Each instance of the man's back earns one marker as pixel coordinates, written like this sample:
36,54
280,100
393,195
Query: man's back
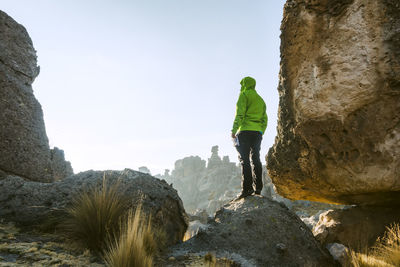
251,111
255,112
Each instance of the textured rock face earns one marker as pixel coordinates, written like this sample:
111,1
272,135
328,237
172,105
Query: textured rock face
32,203
355,227
60,167
339,116
256,231
24,147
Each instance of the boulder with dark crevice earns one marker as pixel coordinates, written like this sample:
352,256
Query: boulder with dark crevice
355,227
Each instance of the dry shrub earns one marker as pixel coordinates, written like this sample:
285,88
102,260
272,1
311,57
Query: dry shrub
211,260
388,247
94,216
136,244
385,253
366,260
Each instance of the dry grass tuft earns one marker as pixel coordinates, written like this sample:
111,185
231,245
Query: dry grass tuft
136,245
100,219
388,247
94,216
211,260
386,252
366,260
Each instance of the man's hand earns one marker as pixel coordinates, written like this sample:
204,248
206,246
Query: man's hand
233,135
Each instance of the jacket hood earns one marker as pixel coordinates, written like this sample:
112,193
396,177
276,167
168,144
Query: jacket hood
247,83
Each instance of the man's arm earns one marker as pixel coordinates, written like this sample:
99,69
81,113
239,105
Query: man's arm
264,121
240,112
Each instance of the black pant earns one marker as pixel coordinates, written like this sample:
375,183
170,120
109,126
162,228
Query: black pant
249,152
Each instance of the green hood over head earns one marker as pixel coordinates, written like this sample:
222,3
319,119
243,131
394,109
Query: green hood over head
247,83
251,111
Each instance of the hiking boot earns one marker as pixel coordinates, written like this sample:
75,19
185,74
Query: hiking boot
244,194
257,192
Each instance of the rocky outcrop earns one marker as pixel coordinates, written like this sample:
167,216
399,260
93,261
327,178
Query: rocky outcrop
205,186
144,169
256,231
356,227
214,160
24,147
33,203
60,167
339,113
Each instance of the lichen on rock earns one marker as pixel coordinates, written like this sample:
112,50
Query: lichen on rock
21,248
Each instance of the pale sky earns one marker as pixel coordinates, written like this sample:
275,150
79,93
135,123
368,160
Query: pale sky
125,84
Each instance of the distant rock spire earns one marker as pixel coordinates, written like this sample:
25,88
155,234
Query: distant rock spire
214,160
144,169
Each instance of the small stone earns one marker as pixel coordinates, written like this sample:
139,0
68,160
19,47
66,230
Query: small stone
171,259
281,247
338,251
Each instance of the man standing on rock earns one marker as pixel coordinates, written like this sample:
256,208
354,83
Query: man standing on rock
247,131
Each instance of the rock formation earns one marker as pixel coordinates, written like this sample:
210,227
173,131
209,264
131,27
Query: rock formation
208,187
32,203
60,167
256,231
214,160
24,147
205,187
144,169
339,113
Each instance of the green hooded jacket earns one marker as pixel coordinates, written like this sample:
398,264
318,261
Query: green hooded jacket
251,111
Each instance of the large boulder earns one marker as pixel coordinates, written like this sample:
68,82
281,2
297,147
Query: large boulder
355,227
24,146
32,203
257,231
339,112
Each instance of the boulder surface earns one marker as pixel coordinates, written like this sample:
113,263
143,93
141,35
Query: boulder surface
355,227
257,231
24,146
339,112
32,203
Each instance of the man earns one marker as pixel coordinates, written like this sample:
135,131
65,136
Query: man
248,127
